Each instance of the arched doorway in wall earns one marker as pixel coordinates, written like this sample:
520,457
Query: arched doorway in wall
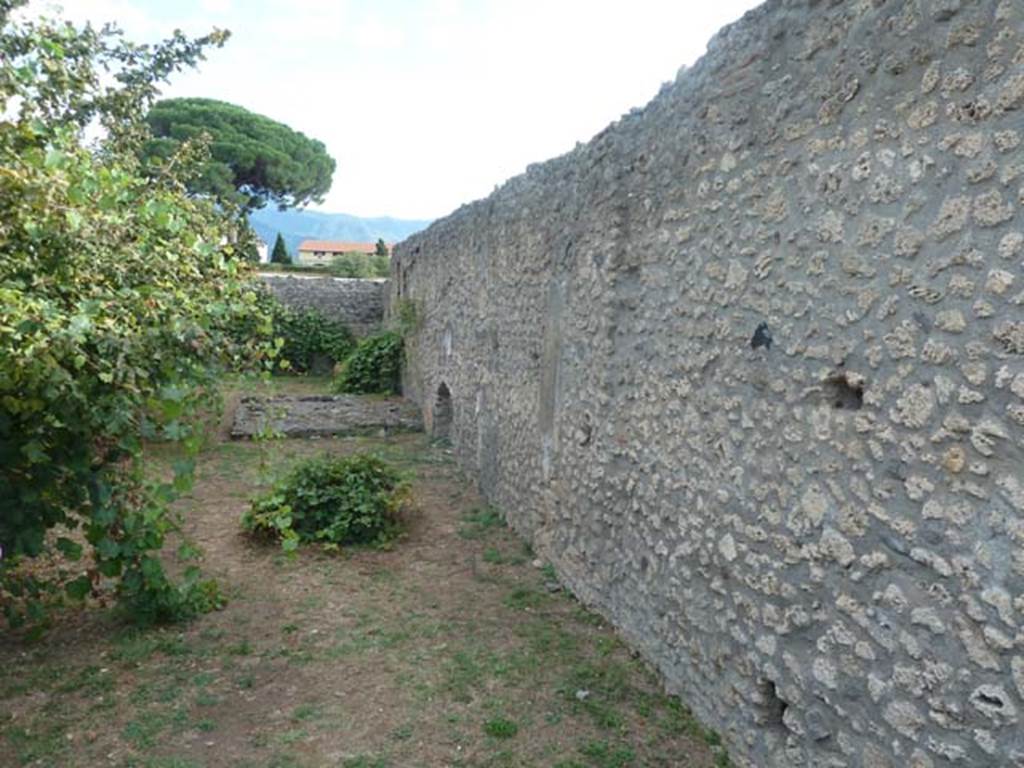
442,416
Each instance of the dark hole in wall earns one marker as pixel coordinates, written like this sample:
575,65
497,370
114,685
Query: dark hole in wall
973,110
586,431
845,391
773,707
442,421
762,337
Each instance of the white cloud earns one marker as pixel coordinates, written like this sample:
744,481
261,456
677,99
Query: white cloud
303,23
375,36
217,7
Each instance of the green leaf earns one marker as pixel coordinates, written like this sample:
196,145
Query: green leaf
171,409
79,588
152,570
55,158
188,551
184,474
108,549
110,568
72,550
33,451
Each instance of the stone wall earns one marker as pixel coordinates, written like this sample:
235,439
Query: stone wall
357,303
748,368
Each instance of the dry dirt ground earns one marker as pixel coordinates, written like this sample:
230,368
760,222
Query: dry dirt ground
453,648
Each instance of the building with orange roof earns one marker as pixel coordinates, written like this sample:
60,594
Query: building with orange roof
323,252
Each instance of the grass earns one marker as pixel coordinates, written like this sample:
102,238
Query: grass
306,712
478,522
143,731
603,755
448,650
500,728
525,598
365,761
493,556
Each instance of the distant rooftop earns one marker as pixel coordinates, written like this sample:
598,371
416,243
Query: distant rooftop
336,246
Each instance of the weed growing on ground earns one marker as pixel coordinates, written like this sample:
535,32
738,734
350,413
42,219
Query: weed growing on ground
500,728
333,501
478,522
493,556
525,598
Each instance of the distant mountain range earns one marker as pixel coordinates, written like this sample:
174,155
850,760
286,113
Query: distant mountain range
296,226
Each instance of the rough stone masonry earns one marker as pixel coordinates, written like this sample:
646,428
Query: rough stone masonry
748,368
357,303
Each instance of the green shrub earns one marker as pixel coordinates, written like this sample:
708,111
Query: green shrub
331,500
118,295
307,341
375,367
311,342
362,265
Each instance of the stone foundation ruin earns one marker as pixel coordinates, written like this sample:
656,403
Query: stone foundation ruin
323,416
748,368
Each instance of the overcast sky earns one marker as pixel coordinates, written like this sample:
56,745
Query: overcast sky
428,104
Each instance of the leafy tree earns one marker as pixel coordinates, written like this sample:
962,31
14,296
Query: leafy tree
118,293
253,158
249,250
381,249
280,253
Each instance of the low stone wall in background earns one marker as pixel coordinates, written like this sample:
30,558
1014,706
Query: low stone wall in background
356,302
